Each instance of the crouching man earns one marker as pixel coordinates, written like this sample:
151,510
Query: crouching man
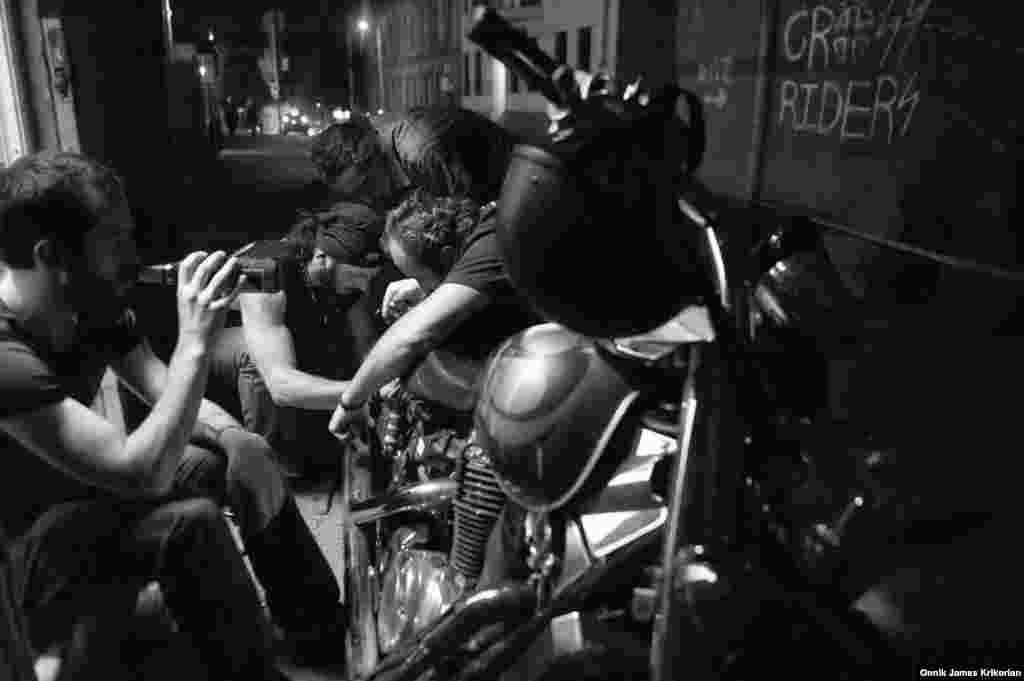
93,511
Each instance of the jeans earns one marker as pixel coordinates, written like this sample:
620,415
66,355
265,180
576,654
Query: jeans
236,385
82,564
299,583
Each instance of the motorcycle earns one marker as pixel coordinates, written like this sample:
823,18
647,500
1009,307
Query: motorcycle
657,488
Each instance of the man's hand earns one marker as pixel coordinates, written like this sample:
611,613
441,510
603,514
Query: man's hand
399,297
344,421
207,286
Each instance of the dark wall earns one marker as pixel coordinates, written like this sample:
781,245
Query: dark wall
647,39
117,52
889,118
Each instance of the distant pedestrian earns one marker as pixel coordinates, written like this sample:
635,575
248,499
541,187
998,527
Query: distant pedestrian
230,116
252,118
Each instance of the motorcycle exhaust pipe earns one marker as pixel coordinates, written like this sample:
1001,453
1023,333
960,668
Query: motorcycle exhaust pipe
419,497
467,617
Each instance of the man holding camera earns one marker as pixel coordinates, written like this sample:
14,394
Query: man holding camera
92,509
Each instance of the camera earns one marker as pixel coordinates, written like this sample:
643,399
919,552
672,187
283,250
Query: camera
263,271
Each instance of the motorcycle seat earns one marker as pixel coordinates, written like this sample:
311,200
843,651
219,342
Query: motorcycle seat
446,379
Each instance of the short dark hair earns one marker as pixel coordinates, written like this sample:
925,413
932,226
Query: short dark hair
341,145
53,194
433,229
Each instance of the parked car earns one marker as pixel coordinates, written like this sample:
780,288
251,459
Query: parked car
296,120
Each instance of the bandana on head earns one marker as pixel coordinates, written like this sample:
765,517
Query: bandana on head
350,234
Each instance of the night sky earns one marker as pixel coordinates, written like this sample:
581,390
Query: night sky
238,21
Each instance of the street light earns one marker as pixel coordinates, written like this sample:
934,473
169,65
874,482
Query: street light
363,26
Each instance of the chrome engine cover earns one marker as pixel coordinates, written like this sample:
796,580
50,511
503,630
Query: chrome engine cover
418,587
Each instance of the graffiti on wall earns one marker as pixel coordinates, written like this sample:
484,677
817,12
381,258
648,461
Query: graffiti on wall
847,76
716,75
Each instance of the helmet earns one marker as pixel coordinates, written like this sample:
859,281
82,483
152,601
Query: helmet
591,233
550,408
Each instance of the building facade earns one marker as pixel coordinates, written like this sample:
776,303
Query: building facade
413,46
581,33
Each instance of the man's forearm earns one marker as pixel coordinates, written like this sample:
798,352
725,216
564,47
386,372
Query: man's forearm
294,388
391,357
162,435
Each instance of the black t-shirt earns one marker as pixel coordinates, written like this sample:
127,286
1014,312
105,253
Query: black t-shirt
451,151
480,267
32,378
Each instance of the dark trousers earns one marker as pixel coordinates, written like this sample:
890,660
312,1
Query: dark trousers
94,556
82,564
297,579
16,655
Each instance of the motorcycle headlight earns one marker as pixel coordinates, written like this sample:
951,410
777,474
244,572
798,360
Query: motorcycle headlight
550,408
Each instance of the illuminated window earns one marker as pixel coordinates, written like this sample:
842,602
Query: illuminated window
13,138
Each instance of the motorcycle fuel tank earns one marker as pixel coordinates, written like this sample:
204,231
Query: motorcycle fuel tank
549,407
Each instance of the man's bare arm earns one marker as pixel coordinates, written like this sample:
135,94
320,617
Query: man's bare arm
413,336
273,349
145,374
78,441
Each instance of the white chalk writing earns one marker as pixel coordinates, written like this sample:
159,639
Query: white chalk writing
829,41
881,107
717,73
718,70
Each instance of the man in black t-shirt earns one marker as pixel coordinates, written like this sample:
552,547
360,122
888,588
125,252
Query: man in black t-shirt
458,296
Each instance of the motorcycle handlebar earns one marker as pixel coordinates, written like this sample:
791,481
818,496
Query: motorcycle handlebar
520,53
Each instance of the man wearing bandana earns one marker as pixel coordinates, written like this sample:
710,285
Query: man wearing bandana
283,369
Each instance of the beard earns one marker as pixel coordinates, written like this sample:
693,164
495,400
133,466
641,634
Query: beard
98,302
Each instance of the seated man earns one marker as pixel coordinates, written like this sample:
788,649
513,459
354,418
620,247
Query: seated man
449,248
446,151
286,362
88,506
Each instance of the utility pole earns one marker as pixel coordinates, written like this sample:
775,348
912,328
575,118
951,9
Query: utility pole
274,27
351,67
380,66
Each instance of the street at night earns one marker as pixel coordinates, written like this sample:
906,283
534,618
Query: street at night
253,191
